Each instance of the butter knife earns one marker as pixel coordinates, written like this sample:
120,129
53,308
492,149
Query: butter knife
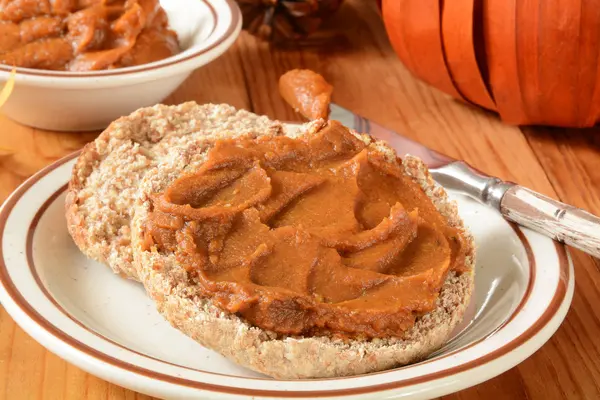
562,222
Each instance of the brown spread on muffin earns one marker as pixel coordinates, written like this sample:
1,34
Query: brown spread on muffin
316,235
84,35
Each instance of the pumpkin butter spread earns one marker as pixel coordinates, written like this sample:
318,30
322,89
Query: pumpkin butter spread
307,92
318,235
84,35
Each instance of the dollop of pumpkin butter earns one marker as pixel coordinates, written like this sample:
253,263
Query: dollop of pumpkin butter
310,236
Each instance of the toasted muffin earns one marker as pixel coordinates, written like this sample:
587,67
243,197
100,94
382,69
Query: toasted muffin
106,177
176,292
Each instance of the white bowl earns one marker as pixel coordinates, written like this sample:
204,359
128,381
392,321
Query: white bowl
83,101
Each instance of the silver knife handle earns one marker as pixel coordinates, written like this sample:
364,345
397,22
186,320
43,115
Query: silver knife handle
562,222
567,224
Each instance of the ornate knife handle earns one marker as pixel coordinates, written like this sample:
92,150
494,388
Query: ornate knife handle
562,222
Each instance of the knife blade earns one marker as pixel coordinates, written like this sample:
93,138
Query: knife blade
562,222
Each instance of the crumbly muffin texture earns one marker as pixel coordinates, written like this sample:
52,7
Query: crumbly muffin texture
105,180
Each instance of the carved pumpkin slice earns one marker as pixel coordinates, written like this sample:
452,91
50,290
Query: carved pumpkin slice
501,50
393,9
527,52
559,24
588,87
423,46
459,47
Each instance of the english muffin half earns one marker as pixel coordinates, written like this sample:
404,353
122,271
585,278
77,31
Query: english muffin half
106,177
218,318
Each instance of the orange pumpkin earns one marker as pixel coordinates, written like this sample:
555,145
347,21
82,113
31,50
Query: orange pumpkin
531,61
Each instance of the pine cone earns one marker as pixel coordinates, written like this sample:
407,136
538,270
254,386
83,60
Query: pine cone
285,20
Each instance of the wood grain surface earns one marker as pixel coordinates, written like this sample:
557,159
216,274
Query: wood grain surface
369,79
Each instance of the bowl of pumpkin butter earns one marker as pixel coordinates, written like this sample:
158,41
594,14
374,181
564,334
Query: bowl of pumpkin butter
77,65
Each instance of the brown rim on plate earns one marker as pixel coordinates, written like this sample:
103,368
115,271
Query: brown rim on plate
235,20
34,316
32,268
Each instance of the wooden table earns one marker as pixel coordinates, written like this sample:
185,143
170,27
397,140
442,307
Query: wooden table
368,79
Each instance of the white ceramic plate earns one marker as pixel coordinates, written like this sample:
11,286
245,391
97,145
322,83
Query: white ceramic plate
107,326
